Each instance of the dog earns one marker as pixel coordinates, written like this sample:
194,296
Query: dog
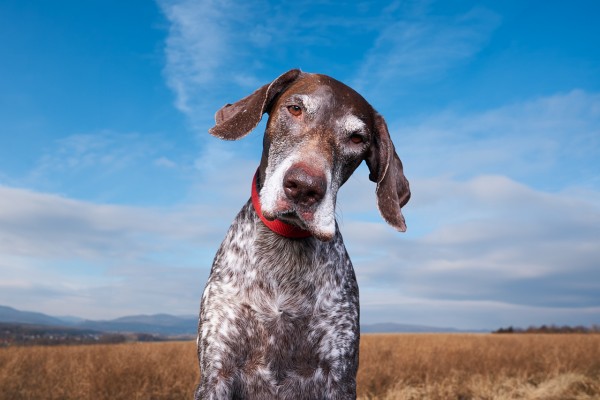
279,317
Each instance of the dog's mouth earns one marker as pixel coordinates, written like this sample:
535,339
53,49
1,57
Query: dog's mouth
316,218
303,219
291,217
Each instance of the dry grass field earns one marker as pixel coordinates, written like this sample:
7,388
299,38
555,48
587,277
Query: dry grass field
436,366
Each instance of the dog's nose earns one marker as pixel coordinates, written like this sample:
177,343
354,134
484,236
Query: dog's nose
303,187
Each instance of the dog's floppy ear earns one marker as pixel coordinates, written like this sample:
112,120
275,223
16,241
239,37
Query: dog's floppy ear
234,121
385,168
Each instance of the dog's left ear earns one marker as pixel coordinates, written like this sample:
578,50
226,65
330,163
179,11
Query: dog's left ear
234,121
385,168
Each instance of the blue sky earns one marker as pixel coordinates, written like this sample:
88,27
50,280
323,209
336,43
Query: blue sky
114,198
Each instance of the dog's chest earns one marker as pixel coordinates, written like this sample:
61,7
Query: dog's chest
279,308
278,281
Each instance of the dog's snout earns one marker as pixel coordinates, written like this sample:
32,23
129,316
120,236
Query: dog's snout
304,187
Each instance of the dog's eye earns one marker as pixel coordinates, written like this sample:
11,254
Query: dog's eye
295,110
356,138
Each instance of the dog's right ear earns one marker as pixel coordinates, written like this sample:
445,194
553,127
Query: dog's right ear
234,121
393,191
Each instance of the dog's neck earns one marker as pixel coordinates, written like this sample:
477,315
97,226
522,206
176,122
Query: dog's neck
277,226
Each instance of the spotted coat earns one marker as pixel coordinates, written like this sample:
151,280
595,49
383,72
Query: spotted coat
279,316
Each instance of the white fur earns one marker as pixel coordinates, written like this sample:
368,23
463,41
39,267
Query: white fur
311,103
273,193
351,123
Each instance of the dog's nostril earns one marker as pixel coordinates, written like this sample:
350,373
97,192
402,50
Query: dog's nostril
302,187
291,191
290,184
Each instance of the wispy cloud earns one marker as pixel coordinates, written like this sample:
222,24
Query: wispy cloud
106,149
105,254
490,239
413,45
217,52
212,44
553,141
385,304
197,46
55,227
113,167
505,217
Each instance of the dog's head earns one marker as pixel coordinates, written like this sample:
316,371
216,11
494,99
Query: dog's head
319,131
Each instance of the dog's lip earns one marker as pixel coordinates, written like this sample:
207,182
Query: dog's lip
290,216
300,219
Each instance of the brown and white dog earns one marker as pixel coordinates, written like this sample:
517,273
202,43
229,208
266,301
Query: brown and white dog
280,314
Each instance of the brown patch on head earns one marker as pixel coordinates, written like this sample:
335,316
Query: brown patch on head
324,122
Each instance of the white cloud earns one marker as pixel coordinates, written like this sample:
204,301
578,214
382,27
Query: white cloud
112,167
165,162
488,240
414,44
105,259
209,46
552,142
54,227
217,51
387,305
107,149
197,45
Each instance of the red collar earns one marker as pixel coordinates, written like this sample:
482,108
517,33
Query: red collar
277,226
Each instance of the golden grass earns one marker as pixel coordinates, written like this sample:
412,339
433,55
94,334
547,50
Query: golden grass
465,367
115,371
403,367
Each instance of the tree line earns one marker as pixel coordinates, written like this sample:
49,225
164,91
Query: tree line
551,329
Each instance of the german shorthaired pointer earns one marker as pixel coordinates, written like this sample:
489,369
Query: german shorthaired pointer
279,317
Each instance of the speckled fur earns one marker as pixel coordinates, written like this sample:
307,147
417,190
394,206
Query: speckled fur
279,317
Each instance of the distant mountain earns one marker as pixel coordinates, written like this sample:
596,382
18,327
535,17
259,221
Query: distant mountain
162,324
9,314
390,327
165,324
69,320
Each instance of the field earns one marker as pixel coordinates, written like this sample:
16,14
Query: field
436,366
